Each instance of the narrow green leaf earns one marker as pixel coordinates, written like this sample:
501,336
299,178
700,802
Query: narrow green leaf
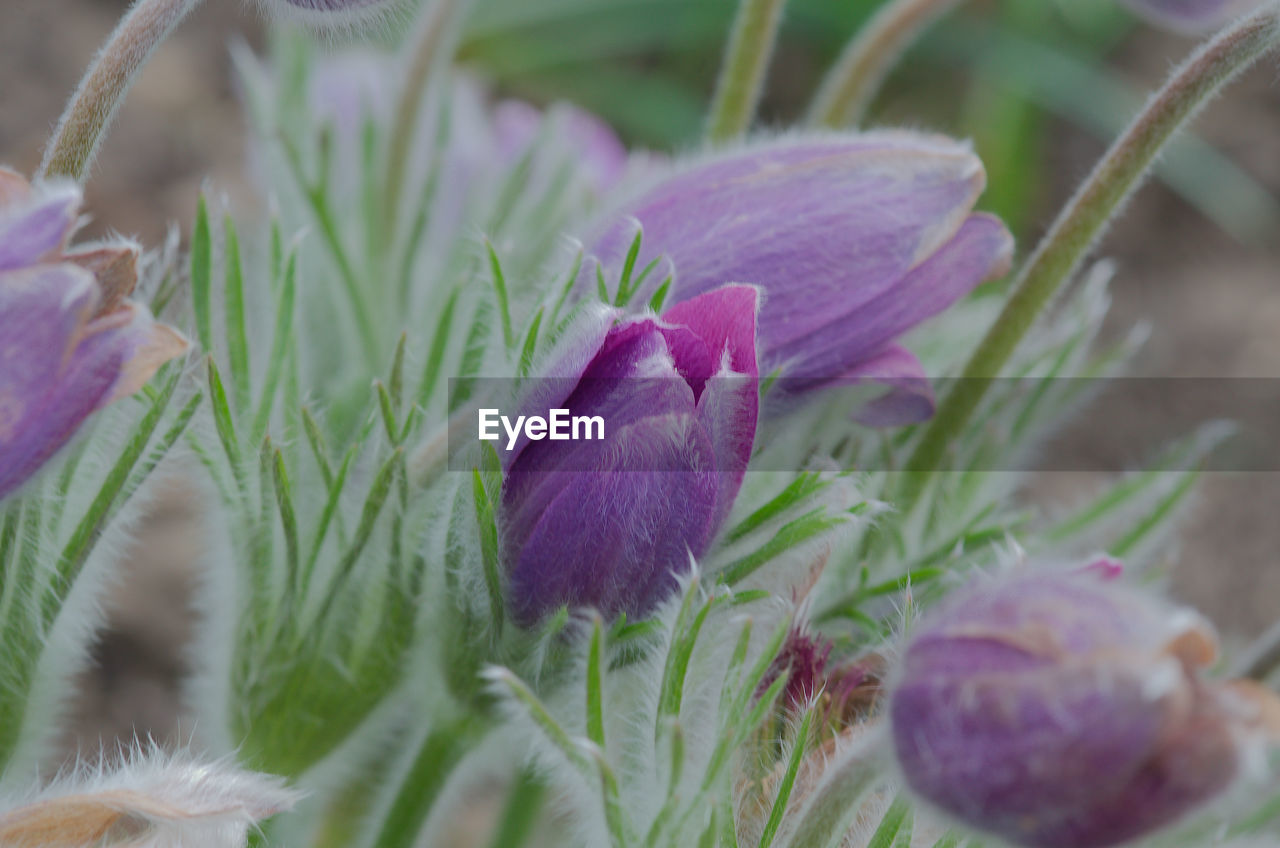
602,288
486,522
500,289
222,419
1153,520
530,344
318,447
282,340
894,819
388,413
595,685
797,532
288,519
89,528
659,298
551,729
326,516
783,798
566,288
237,331
202,275
472,355
520,814
805,485
435,358
628,267
396,383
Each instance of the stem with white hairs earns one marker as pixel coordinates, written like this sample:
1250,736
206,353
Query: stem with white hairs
83,124
1082,222
850,86
746,63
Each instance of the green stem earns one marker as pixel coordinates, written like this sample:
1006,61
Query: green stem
441,750
1081,223
745,62
83,123
426,47
850,86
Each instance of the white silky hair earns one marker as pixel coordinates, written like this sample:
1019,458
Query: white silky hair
151,799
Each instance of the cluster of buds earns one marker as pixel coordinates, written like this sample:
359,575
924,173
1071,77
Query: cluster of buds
831,281
1066,710
71,341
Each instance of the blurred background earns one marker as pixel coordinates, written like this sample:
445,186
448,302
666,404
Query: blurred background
1039,85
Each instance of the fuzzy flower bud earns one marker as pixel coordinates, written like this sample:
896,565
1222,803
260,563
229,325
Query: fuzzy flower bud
1192,16
151,800
854,240
1066,711
70,341
611,523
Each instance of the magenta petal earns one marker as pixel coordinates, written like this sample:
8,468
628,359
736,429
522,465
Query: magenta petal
729,402
725,319
37,230
614,538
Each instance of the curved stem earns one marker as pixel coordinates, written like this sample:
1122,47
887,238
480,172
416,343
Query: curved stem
850,86
83,123
746,60
1083,220
426,47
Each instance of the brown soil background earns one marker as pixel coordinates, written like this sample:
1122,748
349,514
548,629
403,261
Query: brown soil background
1214,306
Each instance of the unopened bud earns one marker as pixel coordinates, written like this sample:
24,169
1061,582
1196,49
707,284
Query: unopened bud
1066,711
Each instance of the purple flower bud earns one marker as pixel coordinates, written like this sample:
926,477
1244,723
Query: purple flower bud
70,343
611,523
844,691
1191,16
854,240
1064,711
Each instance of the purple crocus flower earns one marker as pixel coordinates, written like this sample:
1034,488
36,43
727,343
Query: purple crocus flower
854,240
70,343
1065,710
611,523
1191,16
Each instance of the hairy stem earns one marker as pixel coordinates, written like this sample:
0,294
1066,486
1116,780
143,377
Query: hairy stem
84,122
742,75
850,86
1082,222
431,37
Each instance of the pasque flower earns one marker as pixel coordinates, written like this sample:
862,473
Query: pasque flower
853,239
1066,711
611,523
70,341
1192,15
